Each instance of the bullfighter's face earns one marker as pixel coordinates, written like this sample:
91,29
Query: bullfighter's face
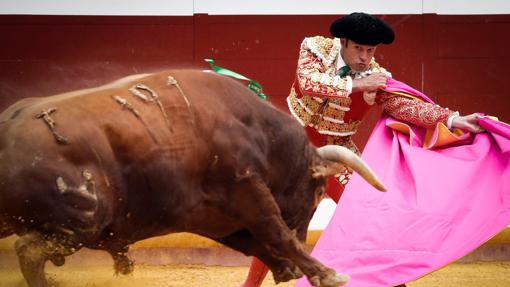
355,55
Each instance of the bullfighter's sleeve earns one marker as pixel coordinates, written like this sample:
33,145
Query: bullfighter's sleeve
313,79
413,111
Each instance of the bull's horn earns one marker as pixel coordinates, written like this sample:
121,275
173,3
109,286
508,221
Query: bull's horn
345,156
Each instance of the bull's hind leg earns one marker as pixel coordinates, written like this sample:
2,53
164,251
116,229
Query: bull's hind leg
261,215
30,249
34,250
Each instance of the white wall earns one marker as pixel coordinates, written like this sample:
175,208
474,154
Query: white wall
247,7
467,7
98,7
293,7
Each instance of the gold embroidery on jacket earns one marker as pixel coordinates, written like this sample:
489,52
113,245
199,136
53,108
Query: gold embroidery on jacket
324,99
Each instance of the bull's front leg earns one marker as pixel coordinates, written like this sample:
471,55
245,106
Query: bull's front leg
283,269
119,252
261,215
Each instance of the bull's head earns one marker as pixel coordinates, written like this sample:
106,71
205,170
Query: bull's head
328,161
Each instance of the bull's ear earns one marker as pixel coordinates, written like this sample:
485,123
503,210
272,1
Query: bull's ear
326,168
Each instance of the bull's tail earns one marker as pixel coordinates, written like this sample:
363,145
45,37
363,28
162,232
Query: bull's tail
5,228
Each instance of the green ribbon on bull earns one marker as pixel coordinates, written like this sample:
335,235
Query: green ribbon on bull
252,85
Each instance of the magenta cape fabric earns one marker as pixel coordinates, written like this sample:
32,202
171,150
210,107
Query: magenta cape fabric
440,205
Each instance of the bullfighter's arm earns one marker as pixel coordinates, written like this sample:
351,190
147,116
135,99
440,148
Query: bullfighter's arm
313,79
414,111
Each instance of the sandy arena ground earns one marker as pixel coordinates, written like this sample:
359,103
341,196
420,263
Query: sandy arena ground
486,274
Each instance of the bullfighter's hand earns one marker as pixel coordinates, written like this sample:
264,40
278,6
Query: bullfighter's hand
370,83
468,123
369,97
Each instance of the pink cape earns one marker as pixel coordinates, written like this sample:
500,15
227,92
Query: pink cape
441,203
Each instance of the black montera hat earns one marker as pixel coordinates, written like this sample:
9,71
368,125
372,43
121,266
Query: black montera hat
363,29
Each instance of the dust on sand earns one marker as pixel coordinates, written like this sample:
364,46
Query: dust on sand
486,274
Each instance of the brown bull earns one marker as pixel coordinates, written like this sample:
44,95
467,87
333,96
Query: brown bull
153,154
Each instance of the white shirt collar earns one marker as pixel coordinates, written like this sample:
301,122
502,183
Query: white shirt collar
340,61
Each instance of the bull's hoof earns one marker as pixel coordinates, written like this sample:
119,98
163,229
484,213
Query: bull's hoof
334,280
58,260
287,274
124,266
127,269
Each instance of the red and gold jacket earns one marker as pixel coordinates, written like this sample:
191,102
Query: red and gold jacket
319,98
